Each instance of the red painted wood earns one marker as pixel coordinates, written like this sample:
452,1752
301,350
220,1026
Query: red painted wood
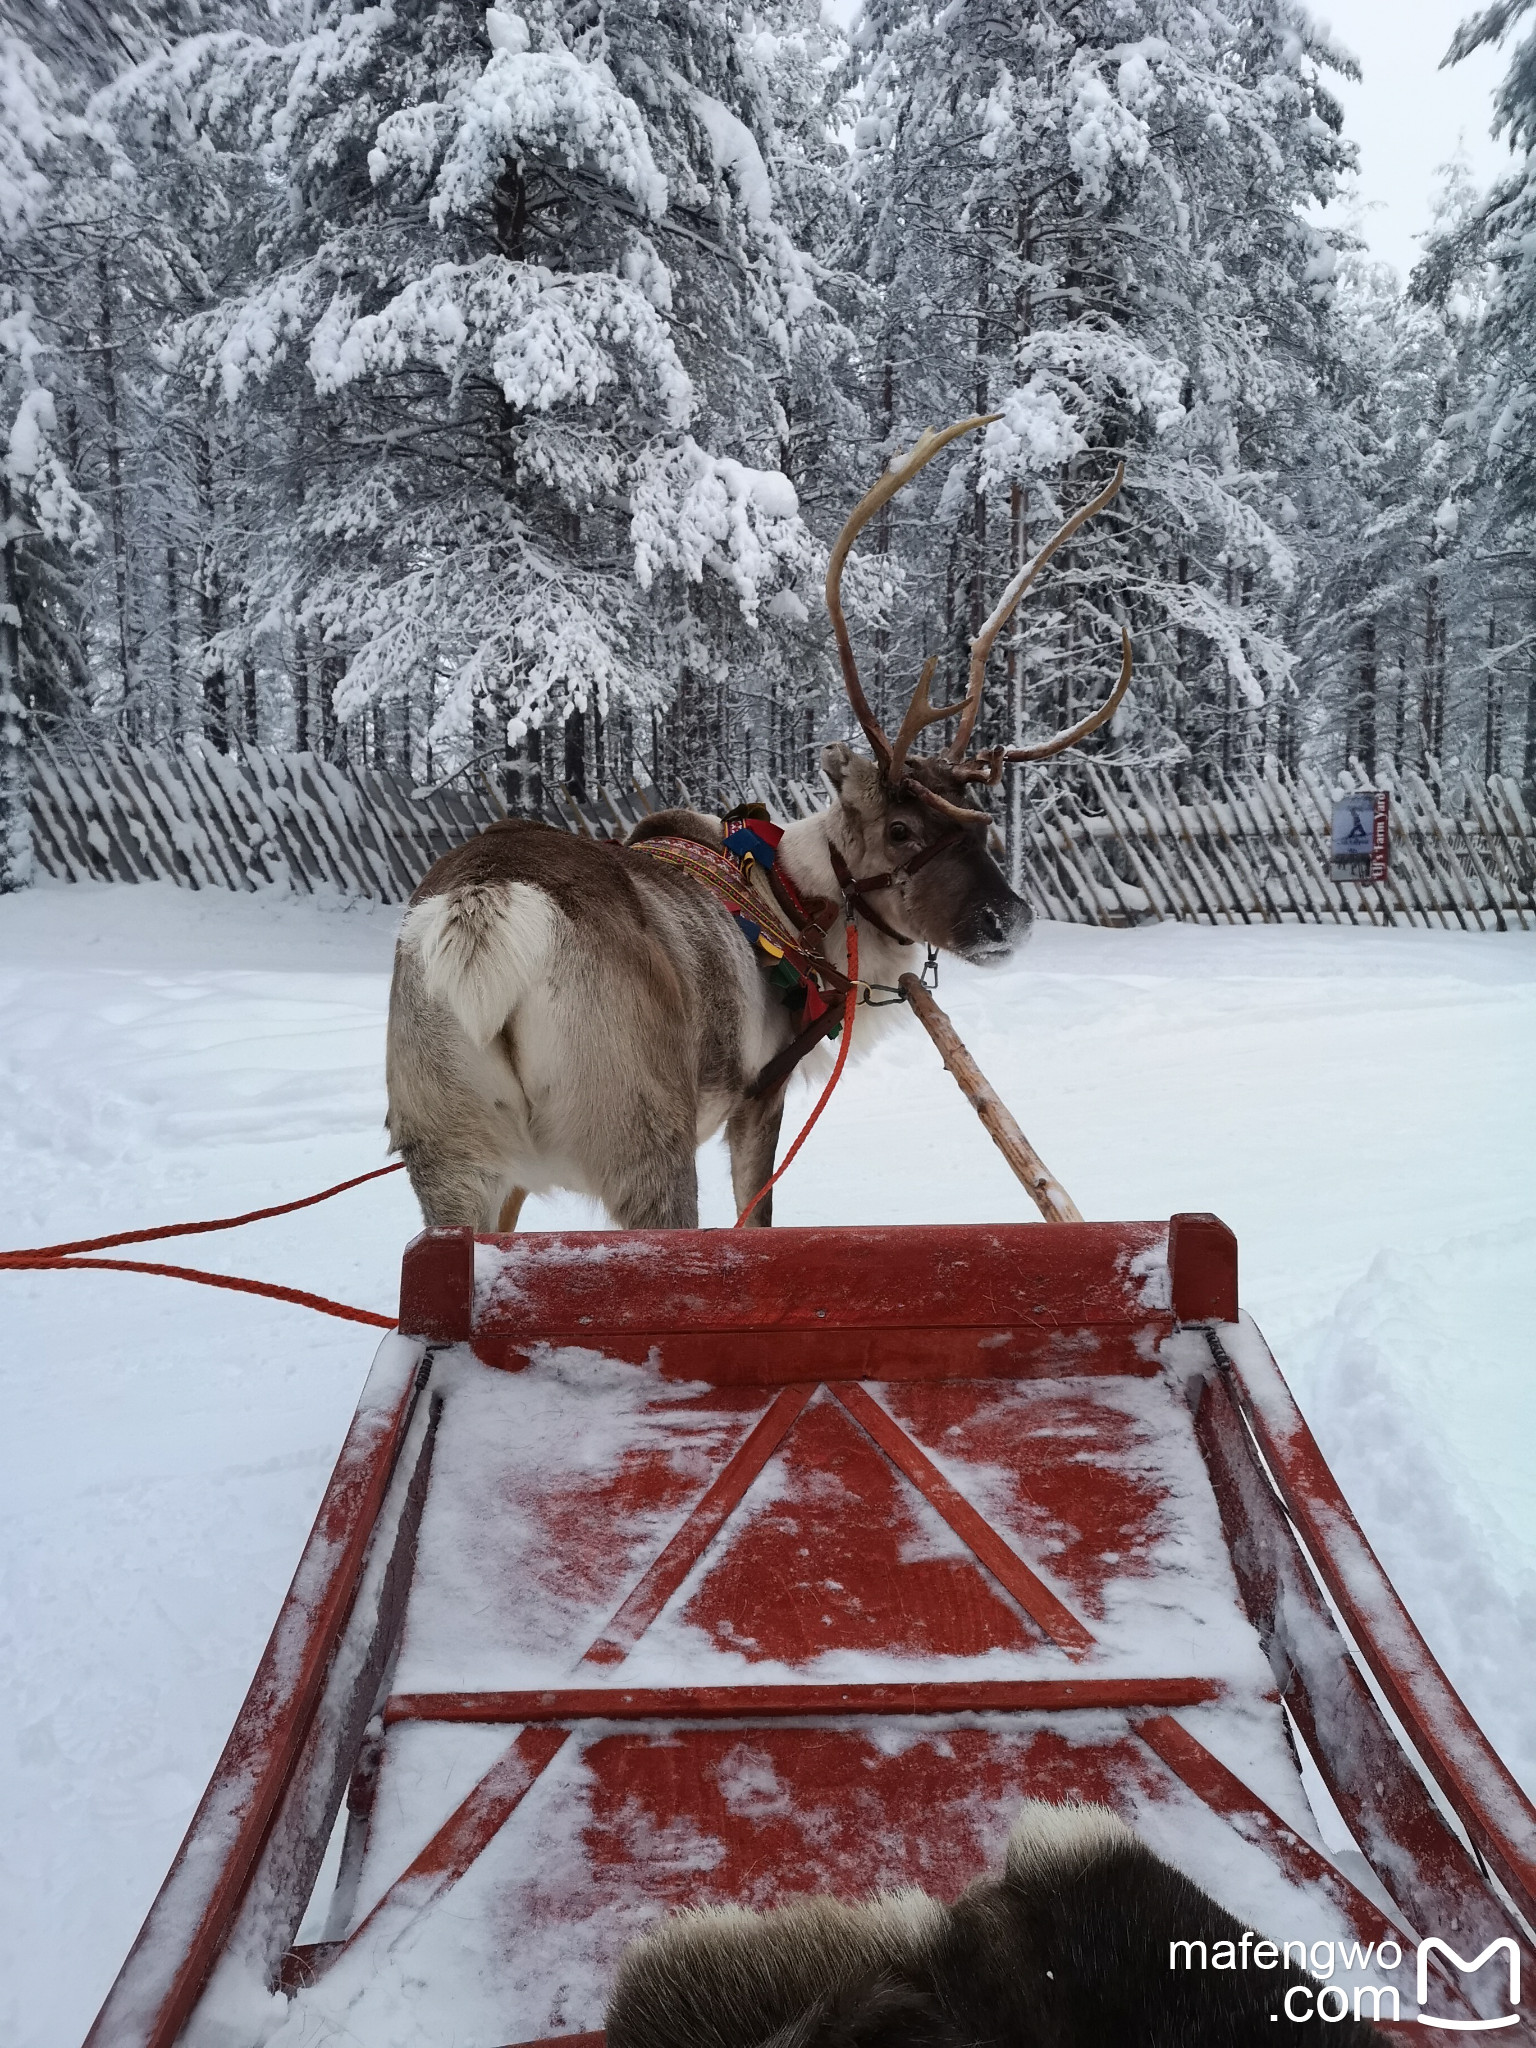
437,1286
852,1538
836,1807
474,1822
1005,1565
843,1556
889,1277
597,2040
788,1811
691,1541
181,1939
1424,1866
1257,1822
479,1816
1069,1467
803,1790
1497,1815
1202,1268
832,1304
606,1526
840,1506
724,1359
304,1963
748,1572
782,1702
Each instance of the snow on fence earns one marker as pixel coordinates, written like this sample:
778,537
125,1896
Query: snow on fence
1102,845
1119,846
243,820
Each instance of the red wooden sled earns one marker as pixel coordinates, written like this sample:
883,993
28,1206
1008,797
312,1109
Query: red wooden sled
664,1569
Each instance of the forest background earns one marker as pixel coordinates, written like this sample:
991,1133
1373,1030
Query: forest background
417,381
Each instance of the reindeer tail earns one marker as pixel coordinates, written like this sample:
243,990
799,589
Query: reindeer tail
481,947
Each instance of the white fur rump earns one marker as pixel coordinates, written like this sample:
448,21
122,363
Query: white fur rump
482,948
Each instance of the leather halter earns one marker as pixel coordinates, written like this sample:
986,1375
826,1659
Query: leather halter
807,919
816,914
856,888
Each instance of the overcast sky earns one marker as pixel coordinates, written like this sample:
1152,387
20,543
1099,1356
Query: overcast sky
1407,115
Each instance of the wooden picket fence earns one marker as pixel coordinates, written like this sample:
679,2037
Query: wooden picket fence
249,819
1106,845
1117,846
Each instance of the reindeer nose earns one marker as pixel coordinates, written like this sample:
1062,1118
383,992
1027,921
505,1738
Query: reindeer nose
998,928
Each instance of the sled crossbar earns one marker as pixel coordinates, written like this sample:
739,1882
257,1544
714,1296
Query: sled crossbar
786,1702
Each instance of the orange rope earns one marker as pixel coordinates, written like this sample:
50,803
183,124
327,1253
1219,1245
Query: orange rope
850,1004
59,1257
101,1244
27,1262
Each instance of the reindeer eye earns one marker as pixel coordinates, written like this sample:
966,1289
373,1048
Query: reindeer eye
899,833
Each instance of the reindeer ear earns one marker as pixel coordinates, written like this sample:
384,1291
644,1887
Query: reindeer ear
855,778
835,757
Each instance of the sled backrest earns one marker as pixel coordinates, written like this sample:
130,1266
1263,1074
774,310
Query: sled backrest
767,1307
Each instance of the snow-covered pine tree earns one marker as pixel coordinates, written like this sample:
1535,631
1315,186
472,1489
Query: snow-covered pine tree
44,522
187,497
1407,571
1376,523
510,353
501,377
1093,223
1503,418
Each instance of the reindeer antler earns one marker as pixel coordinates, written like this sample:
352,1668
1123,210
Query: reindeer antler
1045,748
900,472
981,646
921,712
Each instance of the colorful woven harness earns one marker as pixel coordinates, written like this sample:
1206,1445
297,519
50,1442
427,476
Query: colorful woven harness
804,977
791,946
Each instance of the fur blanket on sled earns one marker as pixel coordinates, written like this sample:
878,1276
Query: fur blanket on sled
1071,1947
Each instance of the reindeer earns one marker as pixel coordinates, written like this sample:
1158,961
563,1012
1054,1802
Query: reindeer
570,1013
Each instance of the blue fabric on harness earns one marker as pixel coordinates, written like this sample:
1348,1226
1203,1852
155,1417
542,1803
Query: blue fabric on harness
751,835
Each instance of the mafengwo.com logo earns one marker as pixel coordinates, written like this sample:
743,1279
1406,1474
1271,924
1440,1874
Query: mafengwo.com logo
1333,2003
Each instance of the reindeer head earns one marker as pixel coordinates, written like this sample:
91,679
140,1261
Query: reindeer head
917,817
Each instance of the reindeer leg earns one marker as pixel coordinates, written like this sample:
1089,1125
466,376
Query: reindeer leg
659,1193
753,1136
649,1179
511,1209
455,1192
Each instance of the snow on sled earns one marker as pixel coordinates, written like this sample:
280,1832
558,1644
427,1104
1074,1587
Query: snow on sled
664,1569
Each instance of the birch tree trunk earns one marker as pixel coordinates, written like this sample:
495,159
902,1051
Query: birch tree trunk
216,721
15,809
175,710
131,706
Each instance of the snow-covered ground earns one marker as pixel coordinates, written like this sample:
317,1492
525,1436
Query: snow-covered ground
1359,1105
